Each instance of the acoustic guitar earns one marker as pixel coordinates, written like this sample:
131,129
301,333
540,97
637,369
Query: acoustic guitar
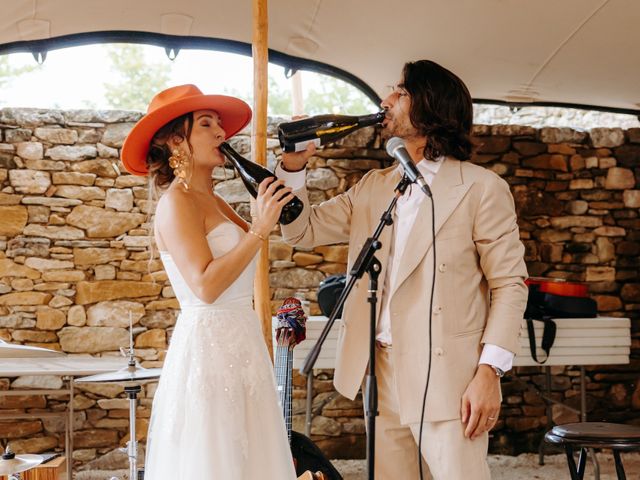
290,331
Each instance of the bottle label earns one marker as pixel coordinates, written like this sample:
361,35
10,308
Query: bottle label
300,146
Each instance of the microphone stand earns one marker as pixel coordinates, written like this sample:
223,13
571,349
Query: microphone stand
366,262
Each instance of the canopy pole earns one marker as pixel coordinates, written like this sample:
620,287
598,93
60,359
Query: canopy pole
297,101
262,293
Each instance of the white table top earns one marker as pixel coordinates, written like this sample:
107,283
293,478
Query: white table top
579,341
69,365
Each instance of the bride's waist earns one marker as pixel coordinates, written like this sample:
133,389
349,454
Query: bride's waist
230,304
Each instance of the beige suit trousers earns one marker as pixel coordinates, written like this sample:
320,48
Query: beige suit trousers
446,453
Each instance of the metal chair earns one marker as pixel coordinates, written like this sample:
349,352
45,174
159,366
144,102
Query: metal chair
585,435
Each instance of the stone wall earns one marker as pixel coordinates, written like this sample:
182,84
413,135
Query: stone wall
540,117
75,260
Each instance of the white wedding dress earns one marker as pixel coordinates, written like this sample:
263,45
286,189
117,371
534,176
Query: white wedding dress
215,414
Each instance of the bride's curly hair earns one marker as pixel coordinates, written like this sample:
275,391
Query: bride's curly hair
441,109
160,173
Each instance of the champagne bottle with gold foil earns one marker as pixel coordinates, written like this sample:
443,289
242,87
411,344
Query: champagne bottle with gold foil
253,174
322,129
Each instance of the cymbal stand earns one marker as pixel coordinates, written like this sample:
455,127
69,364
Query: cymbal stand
132,445
129,353
132,391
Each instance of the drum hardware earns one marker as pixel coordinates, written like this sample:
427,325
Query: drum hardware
132,375
133,372
12,465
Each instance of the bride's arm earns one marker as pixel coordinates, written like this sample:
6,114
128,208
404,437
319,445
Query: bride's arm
182,229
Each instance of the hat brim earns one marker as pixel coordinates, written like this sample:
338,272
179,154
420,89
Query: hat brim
234,113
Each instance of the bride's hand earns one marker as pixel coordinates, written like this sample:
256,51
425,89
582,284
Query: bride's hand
269,203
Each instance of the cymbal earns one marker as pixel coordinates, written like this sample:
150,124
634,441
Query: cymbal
19,464
10,350
127,374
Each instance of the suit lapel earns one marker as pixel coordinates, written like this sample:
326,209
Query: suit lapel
448,190
383,199
380,200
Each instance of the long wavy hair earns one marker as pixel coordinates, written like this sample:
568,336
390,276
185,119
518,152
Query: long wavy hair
441,109
160,172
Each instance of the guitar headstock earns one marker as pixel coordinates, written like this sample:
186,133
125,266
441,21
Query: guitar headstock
285,337
292,322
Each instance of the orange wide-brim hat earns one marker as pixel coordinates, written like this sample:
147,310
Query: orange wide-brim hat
168,105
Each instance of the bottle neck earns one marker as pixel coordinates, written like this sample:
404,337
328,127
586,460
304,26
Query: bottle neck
229,152
373,119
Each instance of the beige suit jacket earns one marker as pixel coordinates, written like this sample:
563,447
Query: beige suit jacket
479,296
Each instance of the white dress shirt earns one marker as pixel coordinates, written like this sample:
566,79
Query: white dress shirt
404,216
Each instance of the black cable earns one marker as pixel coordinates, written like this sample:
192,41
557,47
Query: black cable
433,287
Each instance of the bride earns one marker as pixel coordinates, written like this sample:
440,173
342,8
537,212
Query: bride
215,414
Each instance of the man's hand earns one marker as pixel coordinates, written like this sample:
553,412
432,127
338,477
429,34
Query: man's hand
481,402
296,161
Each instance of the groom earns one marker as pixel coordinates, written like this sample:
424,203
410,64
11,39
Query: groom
479,293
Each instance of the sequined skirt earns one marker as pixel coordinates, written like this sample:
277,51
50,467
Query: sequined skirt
215,414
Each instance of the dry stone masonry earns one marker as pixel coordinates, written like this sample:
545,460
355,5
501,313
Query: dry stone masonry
75,262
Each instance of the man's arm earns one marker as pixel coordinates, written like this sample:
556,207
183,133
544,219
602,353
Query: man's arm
324,224
501,255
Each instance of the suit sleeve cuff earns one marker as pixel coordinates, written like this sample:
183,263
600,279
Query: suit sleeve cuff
294,180
497,357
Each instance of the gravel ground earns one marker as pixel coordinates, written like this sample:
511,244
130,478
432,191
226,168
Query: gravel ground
503,467
524,467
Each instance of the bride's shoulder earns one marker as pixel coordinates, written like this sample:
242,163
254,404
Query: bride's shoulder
176,202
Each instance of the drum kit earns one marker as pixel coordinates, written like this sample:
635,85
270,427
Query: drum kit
12,464
132,376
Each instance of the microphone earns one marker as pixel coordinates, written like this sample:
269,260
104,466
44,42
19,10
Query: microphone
396,149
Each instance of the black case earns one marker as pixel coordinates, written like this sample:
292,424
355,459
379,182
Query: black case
329,291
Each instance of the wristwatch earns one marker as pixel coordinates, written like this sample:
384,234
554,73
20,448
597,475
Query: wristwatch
499,371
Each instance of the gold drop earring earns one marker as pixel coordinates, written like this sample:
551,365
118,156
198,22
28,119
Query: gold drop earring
180,164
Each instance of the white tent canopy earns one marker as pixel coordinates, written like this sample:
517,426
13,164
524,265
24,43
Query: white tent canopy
571,52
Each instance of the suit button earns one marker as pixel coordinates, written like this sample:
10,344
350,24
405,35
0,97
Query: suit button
437,309
439,352
442,268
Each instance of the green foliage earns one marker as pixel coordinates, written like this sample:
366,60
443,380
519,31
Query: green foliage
279,101
8,72
139,79
332,95
234,92
337,96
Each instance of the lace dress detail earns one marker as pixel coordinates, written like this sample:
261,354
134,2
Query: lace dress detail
215,414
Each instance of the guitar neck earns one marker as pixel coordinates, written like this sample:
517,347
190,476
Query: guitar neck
283,366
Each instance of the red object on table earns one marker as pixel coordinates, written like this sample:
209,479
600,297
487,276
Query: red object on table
559,287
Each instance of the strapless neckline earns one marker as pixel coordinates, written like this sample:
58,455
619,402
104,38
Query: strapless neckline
221,239
214,229
223,223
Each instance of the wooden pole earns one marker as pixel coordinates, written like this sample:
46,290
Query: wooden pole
296,94
262,293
